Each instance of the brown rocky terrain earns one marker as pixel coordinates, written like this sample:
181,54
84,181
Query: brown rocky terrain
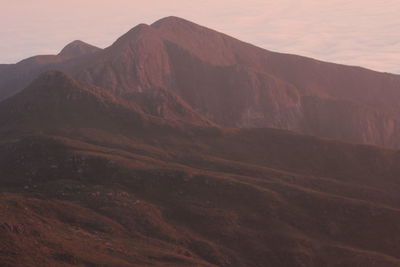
90,179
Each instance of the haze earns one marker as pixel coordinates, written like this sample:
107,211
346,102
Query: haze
363,33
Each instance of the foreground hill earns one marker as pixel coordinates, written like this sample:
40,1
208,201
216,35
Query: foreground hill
90,179
230,82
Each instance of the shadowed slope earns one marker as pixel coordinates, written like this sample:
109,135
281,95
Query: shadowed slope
15,77
56,100
75,104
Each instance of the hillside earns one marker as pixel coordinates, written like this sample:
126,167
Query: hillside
90,179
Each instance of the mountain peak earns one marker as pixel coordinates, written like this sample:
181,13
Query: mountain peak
203,42
77,48
136,33
173,23
170,20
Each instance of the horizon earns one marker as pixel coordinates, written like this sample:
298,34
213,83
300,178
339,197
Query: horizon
334,31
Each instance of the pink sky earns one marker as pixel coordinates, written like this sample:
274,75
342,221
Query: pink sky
355,32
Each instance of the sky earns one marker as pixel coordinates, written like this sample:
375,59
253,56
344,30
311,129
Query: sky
359,32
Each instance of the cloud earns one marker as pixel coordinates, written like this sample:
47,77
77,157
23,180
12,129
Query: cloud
350,32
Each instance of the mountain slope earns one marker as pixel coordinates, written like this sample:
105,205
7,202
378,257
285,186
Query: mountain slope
15,77
223,58
78,48
69,99
232,83
89,179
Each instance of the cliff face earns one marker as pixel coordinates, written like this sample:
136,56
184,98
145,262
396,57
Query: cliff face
235,84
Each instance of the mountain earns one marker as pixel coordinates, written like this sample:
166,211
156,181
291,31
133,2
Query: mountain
89,178
78,48
235,84
15,77
122,156
244,71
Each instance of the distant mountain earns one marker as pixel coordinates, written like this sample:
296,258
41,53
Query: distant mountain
234,84
78,48
15,77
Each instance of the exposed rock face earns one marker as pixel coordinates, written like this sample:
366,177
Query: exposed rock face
236,84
